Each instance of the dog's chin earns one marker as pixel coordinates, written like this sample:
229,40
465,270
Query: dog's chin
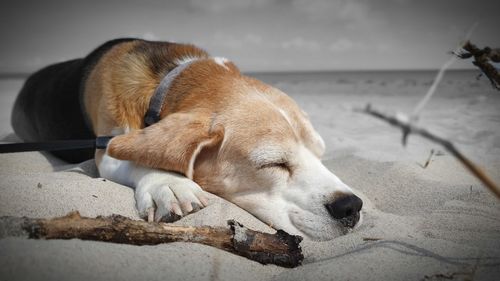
319,227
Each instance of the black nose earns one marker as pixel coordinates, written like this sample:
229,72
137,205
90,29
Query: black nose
345,207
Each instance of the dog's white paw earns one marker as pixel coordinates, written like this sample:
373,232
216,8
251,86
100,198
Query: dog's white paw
166,197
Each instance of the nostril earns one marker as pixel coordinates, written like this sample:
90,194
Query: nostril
349,212
345,206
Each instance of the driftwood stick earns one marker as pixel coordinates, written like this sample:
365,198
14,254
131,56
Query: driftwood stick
280,248
482,59
409,128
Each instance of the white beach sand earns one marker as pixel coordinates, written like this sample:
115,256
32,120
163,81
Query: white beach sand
437,223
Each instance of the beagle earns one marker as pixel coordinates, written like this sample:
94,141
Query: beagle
208,128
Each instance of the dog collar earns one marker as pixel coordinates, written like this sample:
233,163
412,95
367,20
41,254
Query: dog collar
156,103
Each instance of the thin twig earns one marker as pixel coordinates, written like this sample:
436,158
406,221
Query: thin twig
432,89
428,159
371,239
414,116
439,76
413,129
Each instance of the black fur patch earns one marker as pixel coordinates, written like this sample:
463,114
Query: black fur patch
50,104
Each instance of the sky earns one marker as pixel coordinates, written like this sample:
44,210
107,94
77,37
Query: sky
258,35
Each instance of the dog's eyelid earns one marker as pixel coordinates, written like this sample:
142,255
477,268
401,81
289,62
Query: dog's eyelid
278,164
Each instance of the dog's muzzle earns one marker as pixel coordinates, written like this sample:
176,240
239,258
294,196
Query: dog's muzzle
346,209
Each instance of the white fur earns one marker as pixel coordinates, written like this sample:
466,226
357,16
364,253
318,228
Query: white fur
120,131
186,59
285,115
319,143
201,145
171,193
267,154
294,202
221,61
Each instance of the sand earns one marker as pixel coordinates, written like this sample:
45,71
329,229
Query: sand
437,223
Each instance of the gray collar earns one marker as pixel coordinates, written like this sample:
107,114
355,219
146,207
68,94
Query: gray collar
156,103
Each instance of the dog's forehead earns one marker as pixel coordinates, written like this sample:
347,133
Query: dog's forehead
270,152
263,119
253,112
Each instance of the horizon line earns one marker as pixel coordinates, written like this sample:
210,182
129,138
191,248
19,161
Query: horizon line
20,74
353,70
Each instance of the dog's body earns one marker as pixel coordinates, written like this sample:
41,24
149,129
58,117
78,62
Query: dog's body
230,134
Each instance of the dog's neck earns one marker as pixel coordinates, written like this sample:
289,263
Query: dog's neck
157,100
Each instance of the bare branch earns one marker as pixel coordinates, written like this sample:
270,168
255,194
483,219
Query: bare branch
409,128
482,59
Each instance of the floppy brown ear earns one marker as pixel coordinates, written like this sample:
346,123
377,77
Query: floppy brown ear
171,144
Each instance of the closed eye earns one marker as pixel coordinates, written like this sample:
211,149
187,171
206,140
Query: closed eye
280,165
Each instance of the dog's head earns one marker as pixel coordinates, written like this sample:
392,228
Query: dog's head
251,144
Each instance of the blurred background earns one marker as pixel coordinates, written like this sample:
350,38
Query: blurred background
259,35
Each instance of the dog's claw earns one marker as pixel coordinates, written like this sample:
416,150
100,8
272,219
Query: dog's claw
171,217
151,214
203,200
176,209
196,207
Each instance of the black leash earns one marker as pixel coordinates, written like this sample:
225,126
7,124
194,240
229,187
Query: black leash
99,143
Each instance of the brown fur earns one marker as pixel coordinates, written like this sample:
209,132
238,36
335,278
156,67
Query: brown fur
168,144
123,81
202,101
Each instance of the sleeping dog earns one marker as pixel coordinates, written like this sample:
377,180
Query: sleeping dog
185,123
